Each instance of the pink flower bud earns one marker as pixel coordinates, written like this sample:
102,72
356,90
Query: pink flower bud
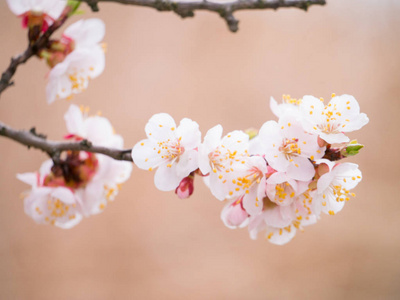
186,187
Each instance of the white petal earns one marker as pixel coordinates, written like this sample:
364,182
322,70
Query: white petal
18,7
99,131
53,8
187,163
166,178
189,133
279,216
301,169
349,172
324,182
86,33
356,123
280,236
74,120
334,138
45,168
273,105
29,178
251,203
160,127
212,138
144,156
65,195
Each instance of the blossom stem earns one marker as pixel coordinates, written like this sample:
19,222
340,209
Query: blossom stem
30,139
225,9
33,49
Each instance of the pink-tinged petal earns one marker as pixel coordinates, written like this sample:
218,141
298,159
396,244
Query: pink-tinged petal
74,120
233,215
327,162
290,127
309,220
91,197
166,178
251,203
301,169
324,182
278,181
278,177
256,224
189,133
86,33
64,194
277,160
161,127
334,138
279,216
302,186
280,236
145,156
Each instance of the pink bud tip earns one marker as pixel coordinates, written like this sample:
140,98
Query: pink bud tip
185,188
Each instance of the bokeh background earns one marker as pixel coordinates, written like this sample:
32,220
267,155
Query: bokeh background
149,244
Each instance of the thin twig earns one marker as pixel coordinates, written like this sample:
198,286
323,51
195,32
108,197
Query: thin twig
30,139
33,49
224,9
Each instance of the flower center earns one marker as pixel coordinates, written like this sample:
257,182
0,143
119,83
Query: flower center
290,147
170,150
74,170
282,190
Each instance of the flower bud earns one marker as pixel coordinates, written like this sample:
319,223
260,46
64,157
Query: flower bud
251,132
185,188
352,148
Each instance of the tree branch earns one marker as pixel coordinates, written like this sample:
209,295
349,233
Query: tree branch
224,9
33,49
54,148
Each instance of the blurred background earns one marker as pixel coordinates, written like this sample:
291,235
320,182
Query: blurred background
149,244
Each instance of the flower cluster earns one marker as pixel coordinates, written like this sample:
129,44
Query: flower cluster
76,57
277,182
78,184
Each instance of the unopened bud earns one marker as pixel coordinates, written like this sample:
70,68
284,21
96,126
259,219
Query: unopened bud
185,188
352,148
74,5
251,132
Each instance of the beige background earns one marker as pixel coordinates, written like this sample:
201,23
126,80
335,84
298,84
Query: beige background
150,244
